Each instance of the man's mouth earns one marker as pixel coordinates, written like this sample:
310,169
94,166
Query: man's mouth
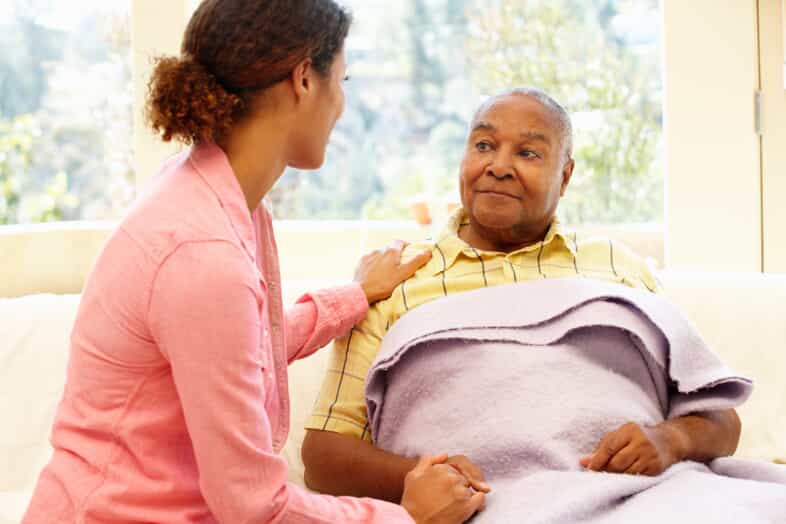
498,193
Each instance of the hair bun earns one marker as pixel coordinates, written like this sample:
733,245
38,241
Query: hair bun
187,103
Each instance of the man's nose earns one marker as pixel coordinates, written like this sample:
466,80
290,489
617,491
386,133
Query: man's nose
501,167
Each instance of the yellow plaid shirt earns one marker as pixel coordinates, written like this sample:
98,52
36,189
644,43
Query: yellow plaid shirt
454,267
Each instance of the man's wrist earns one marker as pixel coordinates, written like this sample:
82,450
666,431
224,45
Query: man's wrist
676,439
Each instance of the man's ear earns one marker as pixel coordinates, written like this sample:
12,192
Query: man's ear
567,172
302,79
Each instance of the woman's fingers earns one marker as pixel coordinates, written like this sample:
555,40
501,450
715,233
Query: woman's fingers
409,268
476,503
471,472
426,461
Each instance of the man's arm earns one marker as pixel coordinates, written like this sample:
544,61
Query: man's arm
703,437
337,451
339,465
344,465
636,450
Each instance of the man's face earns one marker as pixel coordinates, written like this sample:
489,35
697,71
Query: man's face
514,169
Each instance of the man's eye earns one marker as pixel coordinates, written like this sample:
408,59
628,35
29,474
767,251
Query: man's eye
528,153
483,147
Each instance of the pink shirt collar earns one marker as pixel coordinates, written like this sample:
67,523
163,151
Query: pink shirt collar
212,164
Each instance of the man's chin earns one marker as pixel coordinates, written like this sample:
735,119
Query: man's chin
495,220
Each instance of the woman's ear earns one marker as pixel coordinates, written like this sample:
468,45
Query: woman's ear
303,79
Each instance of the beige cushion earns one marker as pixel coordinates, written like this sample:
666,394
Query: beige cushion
34,331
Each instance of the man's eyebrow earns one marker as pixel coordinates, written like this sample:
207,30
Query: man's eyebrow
535,136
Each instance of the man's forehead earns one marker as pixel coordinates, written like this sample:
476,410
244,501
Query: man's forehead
528,115
527,120
524,132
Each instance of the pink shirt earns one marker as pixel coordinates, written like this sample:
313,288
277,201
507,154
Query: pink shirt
176,404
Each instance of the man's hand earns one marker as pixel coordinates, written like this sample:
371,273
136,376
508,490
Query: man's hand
635,450
651,450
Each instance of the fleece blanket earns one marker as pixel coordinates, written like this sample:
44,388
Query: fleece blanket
526,379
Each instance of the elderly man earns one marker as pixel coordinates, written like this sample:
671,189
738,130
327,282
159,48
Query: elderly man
517,165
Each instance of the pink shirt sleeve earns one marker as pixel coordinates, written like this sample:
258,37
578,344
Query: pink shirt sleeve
321,316
204,314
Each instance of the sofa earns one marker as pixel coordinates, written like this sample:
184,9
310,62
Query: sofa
742,316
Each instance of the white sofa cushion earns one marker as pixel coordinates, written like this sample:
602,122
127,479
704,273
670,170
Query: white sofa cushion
34,331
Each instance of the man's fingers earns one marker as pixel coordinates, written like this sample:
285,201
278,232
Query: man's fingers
474,476
622,460
637,468
608,447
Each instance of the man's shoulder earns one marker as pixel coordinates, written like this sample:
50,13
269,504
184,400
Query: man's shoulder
388,310
599,249
594,241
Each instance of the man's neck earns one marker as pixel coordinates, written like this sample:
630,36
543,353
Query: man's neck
508,241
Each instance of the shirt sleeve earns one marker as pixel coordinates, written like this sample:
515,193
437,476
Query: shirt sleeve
341,405
319,317
205,317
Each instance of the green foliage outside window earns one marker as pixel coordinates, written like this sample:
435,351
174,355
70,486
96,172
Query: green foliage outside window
418,70
568,48
65,111
419,73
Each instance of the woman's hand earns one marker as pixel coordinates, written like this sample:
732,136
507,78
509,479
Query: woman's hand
471,472
381,271
435,493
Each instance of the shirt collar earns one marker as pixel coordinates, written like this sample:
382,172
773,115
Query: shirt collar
450,246
212,165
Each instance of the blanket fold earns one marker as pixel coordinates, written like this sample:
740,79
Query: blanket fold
527,378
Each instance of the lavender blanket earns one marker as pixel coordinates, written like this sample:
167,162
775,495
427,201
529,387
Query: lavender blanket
527,378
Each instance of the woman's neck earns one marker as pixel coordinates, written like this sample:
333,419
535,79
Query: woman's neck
257,155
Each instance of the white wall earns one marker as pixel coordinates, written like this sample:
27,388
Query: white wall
773,83
156,29
713,194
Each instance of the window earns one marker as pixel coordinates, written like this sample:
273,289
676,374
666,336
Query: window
419,69
65,110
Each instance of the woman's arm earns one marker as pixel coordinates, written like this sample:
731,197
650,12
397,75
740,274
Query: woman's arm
204,316
320,317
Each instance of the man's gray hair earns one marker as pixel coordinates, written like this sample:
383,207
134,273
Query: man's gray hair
561,115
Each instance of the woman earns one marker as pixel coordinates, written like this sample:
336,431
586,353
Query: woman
176,400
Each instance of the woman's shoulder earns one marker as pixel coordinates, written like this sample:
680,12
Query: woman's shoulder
176,209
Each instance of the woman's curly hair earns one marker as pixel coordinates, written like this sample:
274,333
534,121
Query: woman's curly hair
233,50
